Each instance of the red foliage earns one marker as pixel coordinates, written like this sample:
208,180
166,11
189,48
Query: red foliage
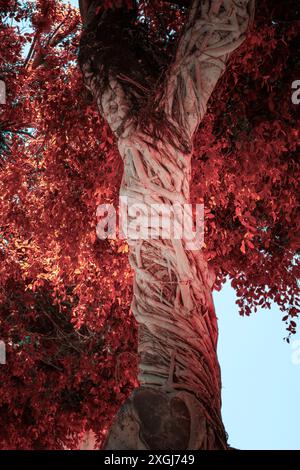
64,294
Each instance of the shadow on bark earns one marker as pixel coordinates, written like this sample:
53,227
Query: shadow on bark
162,420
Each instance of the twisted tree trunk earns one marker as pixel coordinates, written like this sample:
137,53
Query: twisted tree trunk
178,403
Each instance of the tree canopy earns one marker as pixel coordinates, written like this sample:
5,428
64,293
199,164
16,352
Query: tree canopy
64,294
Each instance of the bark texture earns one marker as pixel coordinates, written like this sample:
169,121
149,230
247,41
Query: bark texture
178,403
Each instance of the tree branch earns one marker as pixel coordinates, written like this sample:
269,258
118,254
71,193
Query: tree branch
117,67
214,29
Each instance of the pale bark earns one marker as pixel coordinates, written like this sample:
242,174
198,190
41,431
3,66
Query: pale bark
178,404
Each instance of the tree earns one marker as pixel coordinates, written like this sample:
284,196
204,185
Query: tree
178,403
151,67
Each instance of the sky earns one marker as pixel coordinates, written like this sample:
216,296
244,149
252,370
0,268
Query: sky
260,376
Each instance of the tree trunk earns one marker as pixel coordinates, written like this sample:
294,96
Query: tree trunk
178,403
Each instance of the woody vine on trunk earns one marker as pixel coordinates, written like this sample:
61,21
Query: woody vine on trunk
154,109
